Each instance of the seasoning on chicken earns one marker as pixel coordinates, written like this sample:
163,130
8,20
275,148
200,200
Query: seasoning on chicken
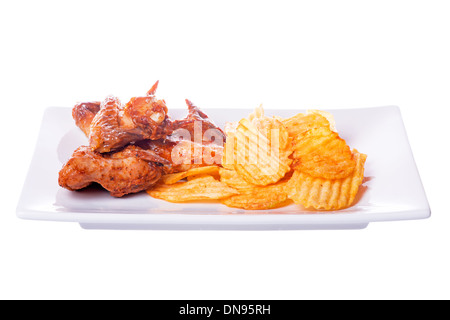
195,142
127,171
115,125
198,118
189,152
83,113
131,146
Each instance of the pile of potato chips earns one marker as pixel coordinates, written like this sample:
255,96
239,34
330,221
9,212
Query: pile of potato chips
269,162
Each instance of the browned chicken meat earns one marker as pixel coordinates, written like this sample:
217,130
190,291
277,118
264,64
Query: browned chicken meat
83,113
115,125
127,171
131,146
195,142
198,119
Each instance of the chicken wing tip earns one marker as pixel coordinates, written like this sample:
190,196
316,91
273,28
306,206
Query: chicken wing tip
152,90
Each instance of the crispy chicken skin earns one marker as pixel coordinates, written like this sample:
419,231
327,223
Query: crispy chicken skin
210,147
83,113
199,151
127,171
196,116
184,154
115,125
131,146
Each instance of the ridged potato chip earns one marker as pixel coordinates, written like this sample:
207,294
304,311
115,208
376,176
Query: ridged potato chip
228,148
327,115
175,177
327,194
258,149
253,197
301,122
271,162
321,153
233,179
203,187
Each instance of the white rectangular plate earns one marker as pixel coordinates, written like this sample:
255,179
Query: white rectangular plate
391,190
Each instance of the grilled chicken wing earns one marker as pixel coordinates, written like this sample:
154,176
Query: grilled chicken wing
195,142
127,171
190,149
132,145
115,125
198,119
184,154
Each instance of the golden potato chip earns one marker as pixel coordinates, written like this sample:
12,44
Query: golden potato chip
175,177
215,175
201,188
327,115
321,153
327,194
233,179
257,198
258,113
258,149
301,122
253,197
228,148
269,162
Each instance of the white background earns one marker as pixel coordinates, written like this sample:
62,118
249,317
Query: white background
286,54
